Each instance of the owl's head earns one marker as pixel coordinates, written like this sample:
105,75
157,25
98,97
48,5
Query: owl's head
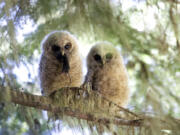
101,54
60,46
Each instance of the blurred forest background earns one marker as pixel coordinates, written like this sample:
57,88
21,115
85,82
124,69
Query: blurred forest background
147,32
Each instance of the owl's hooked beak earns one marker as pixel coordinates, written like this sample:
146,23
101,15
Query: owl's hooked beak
102,63
62,52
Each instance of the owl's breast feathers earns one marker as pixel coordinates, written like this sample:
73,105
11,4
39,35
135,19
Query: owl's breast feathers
111,81
56,74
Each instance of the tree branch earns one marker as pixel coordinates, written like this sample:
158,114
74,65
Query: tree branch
44,103
47,103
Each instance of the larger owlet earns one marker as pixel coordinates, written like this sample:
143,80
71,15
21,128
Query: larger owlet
60,65
107,73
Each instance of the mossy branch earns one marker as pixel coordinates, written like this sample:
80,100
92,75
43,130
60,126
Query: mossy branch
50,104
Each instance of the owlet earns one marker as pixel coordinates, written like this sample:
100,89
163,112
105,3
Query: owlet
60,64
107,73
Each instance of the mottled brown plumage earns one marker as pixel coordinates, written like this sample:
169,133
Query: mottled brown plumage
60,64
107,73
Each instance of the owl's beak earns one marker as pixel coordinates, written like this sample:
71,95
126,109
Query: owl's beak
62,52
103,62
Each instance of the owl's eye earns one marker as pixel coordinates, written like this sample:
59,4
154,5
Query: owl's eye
68,46
55,48
109,56
97,58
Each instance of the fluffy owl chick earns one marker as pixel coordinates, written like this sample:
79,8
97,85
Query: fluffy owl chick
107,73
60,64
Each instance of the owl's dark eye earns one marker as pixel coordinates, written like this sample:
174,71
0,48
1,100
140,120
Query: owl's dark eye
97,57
55,48
109,56
68,46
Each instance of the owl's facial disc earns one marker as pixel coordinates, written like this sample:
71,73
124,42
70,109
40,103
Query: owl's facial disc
62,58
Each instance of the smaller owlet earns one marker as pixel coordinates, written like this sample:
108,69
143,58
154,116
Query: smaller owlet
107,73
60,64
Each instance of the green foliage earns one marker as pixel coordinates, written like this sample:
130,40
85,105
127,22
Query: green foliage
152,54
